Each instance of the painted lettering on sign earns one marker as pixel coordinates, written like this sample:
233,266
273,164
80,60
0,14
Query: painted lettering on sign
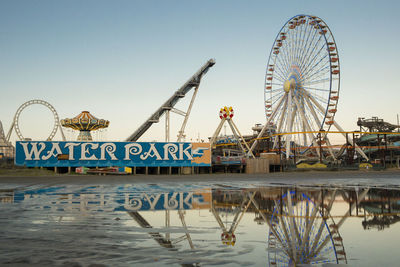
89,154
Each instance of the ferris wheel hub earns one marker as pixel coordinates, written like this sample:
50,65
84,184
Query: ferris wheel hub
289,84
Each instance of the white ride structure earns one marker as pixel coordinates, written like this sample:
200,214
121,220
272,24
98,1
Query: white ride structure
15,123
302,85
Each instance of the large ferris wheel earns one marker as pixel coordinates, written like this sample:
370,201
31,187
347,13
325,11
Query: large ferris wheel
302,80
302,85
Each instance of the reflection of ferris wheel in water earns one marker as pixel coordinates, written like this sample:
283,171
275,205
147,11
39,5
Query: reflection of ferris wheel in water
302,81
303,232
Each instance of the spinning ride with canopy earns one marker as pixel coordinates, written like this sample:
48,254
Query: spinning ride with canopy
85,123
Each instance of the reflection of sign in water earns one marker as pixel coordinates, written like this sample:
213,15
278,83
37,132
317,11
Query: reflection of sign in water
162,201
56,198
92,154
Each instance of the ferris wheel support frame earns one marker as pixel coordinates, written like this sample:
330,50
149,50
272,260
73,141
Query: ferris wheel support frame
236,133
15,122
340,129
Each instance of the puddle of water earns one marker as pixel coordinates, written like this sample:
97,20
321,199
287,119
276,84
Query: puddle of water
224,225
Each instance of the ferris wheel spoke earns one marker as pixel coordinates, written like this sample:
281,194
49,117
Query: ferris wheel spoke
291,47
311,123
282,116
315,70
317,89
310,31
289,123
281,69
280,79
302,46
307,66
308,128
319,93
291,228
299,33
278,76
313,112
316,81
318,75
284,59
317,246
316,104
276,90
310,51
316,54
278,84
276,98
273,114
309,59
320,99
281,73
282,222
316,67
283,56
294,45
277,65
310,222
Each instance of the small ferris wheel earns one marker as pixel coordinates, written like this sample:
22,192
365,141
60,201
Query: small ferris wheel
302,82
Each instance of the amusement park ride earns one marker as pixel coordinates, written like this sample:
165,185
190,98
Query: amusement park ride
302,85
15,122
226,115
193,82
85,123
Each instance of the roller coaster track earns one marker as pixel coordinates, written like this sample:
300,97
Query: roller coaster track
193,82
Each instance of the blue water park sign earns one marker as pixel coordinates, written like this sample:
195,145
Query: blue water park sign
107,154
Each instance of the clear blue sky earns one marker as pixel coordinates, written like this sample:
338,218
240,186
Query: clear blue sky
122,59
